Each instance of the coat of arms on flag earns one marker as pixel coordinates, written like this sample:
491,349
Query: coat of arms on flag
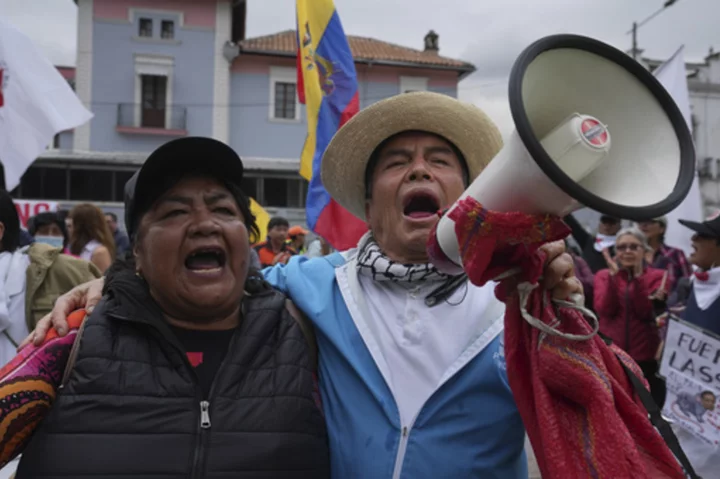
325,68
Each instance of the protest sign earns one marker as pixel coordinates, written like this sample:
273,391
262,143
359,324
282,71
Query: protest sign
28,208
691,366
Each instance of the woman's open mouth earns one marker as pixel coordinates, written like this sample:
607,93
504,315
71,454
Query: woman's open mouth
208,260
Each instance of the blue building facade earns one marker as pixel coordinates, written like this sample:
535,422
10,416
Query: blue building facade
153,70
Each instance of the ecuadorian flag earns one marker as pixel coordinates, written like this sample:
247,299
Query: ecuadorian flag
327,85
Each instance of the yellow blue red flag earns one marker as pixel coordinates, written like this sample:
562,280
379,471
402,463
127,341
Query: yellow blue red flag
327,85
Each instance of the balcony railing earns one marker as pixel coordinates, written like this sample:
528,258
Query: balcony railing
136,118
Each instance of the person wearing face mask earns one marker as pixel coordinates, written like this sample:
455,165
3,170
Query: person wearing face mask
47,228
31,279
623,299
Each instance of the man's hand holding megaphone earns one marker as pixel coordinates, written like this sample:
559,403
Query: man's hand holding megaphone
568,95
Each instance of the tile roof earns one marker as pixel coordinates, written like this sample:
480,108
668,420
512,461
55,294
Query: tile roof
364,50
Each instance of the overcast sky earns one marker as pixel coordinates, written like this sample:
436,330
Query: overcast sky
488,33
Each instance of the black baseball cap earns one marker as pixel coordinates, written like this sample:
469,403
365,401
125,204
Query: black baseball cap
169,163
710,227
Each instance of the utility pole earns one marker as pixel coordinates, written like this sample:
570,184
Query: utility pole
634,41
668,3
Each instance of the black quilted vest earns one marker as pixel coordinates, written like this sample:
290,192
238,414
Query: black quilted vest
132,407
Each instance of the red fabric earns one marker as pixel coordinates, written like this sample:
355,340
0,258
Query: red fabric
196,359
343,238
702,275
577,404
299,70
626,313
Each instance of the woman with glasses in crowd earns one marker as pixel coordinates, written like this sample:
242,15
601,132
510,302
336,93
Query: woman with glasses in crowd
625,299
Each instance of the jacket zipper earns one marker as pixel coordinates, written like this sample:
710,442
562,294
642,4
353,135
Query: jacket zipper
400,458
204,424
203,421
406,430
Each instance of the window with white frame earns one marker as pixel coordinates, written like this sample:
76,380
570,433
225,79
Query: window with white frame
410,84
153,91
145,27
156,24
167,30
284,104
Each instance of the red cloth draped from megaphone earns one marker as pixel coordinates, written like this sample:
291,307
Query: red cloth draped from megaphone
576,401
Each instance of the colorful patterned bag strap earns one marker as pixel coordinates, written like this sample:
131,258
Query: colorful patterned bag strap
73,353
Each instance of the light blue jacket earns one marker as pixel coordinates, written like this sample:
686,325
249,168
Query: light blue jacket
470,426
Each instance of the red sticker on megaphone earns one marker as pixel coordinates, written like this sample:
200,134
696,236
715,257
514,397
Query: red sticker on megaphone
594,132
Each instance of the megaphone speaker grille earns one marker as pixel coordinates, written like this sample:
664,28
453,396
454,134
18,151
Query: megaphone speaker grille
651,165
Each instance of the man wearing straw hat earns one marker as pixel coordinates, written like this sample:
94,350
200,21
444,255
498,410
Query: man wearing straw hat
412,369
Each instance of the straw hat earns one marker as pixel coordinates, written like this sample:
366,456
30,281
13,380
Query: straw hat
347,156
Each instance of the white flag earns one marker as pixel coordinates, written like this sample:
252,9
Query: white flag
36,103
672,75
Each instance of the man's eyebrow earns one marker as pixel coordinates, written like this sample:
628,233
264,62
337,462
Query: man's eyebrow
396,152
438,149
399,151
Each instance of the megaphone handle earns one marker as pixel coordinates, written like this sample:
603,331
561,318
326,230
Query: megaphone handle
524,290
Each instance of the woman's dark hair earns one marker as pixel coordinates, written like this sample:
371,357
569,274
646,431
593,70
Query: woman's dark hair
46,219
243,203
89,224
9,218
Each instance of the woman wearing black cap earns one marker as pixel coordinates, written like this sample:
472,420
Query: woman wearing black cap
191,365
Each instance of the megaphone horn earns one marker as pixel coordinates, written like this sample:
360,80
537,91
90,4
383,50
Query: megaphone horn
593,128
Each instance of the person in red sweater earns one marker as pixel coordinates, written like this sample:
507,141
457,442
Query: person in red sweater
625,300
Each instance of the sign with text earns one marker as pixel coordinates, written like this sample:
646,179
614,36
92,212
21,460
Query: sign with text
691,366
28,208
693,406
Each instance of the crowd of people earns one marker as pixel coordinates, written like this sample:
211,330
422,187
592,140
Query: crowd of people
283,242
285,359
633,279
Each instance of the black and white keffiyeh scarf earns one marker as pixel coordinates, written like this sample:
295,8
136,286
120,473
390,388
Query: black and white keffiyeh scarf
372,262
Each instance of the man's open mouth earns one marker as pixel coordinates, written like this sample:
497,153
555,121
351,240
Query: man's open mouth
206,259
421,205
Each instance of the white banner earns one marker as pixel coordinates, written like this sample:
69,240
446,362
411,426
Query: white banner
28,208
691,366
36,103
673,76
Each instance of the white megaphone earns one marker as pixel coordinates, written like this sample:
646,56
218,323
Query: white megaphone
593,128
